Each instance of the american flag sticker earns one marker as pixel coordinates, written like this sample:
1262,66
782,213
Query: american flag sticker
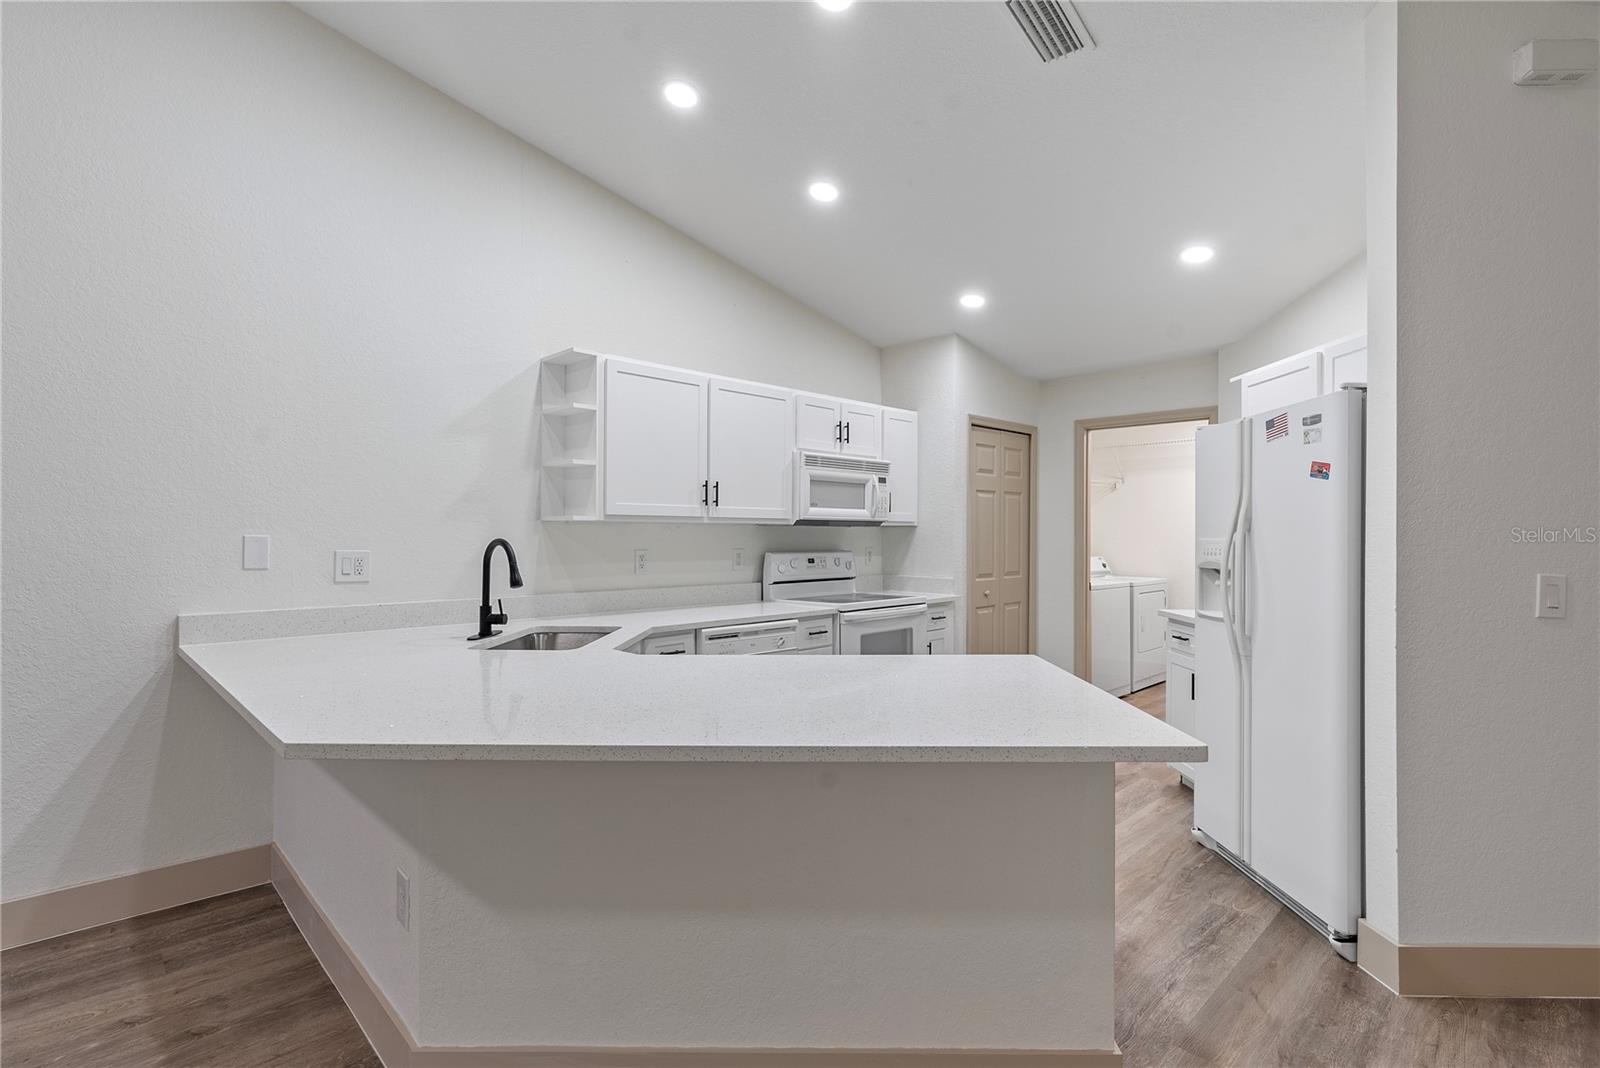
1278,426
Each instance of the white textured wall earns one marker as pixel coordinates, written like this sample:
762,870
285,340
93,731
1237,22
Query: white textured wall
1155,387
1499,428
1145,525
257,279
1378,734
1334,308
946,380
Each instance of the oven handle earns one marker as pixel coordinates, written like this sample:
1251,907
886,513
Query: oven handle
878,615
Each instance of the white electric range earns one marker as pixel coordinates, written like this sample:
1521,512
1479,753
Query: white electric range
870,624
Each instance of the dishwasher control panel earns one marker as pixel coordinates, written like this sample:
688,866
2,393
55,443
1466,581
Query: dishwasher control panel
814,636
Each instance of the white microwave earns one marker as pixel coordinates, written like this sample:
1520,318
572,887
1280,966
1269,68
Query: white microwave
840,489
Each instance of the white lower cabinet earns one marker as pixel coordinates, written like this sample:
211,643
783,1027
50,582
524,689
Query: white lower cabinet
655,441
938,635
1181,685
751,464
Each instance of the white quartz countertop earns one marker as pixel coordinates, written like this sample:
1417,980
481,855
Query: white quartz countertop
1179,615
428,694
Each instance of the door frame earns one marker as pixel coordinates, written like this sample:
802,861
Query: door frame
1082,666
1032,434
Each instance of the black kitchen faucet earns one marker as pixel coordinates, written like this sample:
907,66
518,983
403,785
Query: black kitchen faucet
487,616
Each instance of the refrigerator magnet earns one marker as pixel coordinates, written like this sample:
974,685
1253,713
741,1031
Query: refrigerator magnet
1320,470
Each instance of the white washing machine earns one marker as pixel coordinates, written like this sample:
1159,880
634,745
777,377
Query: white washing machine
1127,634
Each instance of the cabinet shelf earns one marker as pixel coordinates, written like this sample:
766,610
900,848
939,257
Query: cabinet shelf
565,408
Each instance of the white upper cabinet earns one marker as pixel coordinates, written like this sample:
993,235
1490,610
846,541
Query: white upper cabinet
818,423
621,439
900,449
828,424
1281,384
751,452
1303,376
1344,362
655,440
863,429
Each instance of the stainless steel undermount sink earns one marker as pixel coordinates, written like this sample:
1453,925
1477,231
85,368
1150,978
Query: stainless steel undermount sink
553,640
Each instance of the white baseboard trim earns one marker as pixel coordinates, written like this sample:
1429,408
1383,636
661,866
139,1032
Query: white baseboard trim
1478,971
392,1040
78,908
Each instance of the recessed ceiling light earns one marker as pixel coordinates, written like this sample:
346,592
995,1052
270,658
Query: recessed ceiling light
1195,255
835,6
681,94
826,192
973,301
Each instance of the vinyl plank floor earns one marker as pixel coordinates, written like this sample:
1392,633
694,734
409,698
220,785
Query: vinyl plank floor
224,983
1210,971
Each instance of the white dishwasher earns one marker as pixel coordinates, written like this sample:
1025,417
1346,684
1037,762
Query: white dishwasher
807,637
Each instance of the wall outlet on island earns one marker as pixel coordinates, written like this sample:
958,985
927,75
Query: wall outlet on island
352,565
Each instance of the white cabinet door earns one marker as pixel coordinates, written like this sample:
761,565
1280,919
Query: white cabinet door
937,644
1180,705
1281,384
900,449
1149,635
1344,362
863,429
752,451
818,423
655,454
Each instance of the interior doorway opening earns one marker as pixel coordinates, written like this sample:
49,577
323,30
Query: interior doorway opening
1134,552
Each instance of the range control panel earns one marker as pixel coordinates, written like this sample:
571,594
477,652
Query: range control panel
827,565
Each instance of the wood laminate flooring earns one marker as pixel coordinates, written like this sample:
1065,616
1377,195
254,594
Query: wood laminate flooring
1210,970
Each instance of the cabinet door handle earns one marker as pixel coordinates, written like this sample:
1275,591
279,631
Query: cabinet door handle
838,431
847,433
705,492
1191,686
930,648
716,495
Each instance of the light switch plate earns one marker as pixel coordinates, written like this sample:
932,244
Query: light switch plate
352,565
1551,594
257,552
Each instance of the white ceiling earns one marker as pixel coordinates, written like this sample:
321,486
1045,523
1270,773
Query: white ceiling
1062,190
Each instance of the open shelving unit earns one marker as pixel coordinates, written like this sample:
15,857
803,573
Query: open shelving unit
569,436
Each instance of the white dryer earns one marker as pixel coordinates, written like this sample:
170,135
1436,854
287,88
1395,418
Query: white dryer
1127,633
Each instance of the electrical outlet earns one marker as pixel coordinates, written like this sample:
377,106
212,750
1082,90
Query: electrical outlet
352,565
402,899
869,554
640,563
738,559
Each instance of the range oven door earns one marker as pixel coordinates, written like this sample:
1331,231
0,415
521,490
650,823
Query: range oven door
883,631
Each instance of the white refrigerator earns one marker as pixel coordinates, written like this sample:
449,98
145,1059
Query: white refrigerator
1278,529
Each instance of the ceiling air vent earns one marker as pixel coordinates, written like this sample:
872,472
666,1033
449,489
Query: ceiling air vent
1054,29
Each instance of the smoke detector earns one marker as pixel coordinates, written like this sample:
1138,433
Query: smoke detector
1054,29
1554,62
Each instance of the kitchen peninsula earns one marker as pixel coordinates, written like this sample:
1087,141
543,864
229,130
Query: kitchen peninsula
507,856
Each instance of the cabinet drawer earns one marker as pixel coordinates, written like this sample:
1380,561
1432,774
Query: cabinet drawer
1180,641
938,620
676,644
